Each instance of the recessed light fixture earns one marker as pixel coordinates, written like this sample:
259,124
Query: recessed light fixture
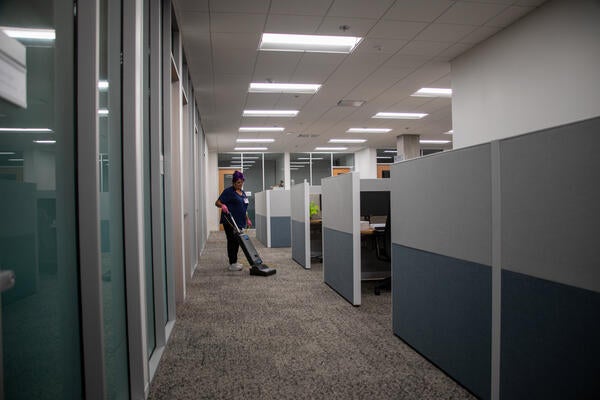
298,163
270,113
330,148
103,85
450,132
261,129
7,153
433,92
434,141
103,112
350,103
246,157
308,158
392,115
34,130
250,148
16,159
347,140
255,140
384,157
368,130
27,33
44,141
308,43
390,151
306,88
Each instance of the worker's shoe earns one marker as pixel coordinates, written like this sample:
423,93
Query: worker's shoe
235,267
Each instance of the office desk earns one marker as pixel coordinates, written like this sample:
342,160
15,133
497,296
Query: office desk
372,268
316,239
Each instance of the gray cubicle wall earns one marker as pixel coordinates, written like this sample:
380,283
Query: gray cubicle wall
260,217
495,263
550,257
341,235
300,214
441,261
279,221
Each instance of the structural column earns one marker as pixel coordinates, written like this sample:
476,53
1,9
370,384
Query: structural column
407,147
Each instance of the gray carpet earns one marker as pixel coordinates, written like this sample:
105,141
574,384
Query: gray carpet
287,336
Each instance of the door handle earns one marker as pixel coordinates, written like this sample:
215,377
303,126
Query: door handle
7,280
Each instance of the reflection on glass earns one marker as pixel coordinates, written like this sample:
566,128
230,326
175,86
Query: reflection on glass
299,168
40,314
111,203
253,173
321,167
274,171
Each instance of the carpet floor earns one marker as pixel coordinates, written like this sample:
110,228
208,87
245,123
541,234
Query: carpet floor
287,336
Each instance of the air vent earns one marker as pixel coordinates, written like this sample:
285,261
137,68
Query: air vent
307,135
351,103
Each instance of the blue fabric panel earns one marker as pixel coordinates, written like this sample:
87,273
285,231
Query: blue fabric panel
281,232
261,228
442,307
338,262
550,340
298,243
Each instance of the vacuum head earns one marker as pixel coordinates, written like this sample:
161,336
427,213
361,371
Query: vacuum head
262,270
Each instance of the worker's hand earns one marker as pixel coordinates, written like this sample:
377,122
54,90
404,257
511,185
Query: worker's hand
249,222
224,209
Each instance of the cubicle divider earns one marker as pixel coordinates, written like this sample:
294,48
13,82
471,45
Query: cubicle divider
495,262
300,212
273,220
341,235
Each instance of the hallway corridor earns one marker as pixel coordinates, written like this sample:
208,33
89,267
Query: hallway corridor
288,336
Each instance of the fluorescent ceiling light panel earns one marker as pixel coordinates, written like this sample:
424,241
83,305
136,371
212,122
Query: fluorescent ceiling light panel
44,141
383,157
16,159
103,85
7,153
261,129
255,140
308,43
35,130
433,92
308,158
434,141
368,130
250,148
347,140
392,115
331,148
103,112
270,113
390,151
450,132
26,33
308,88
299,162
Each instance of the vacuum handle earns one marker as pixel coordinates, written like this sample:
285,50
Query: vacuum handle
234,223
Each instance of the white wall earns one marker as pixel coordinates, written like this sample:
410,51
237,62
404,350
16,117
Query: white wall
365,162
212,191
543,71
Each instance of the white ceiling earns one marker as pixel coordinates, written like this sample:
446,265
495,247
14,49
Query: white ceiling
408,44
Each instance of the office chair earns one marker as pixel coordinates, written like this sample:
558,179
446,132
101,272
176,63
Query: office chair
383,252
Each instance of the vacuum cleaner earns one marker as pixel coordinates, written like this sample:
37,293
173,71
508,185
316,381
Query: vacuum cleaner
257,267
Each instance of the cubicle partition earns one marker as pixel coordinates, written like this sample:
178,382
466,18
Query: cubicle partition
495,262
300,212
273,221
341,235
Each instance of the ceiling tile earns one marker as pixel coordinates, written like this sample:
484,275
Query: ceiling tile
422,10
453,51
533,3
471,13
304,7
359,8
238,62
445,32
194,23
508,16
480,34
225,22
379,45
396,29
277,23
239,6
235,40
261,100
424,48
356,26
191,5
275,66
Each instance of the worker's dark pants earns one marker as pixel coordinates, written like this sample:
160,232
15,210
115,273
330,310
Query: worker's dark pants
232,243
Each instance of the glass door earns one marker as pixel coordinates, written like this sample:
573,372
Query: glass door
41,353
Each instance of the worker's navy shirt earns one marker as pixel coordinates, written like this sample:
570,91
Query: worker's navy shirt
236,204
